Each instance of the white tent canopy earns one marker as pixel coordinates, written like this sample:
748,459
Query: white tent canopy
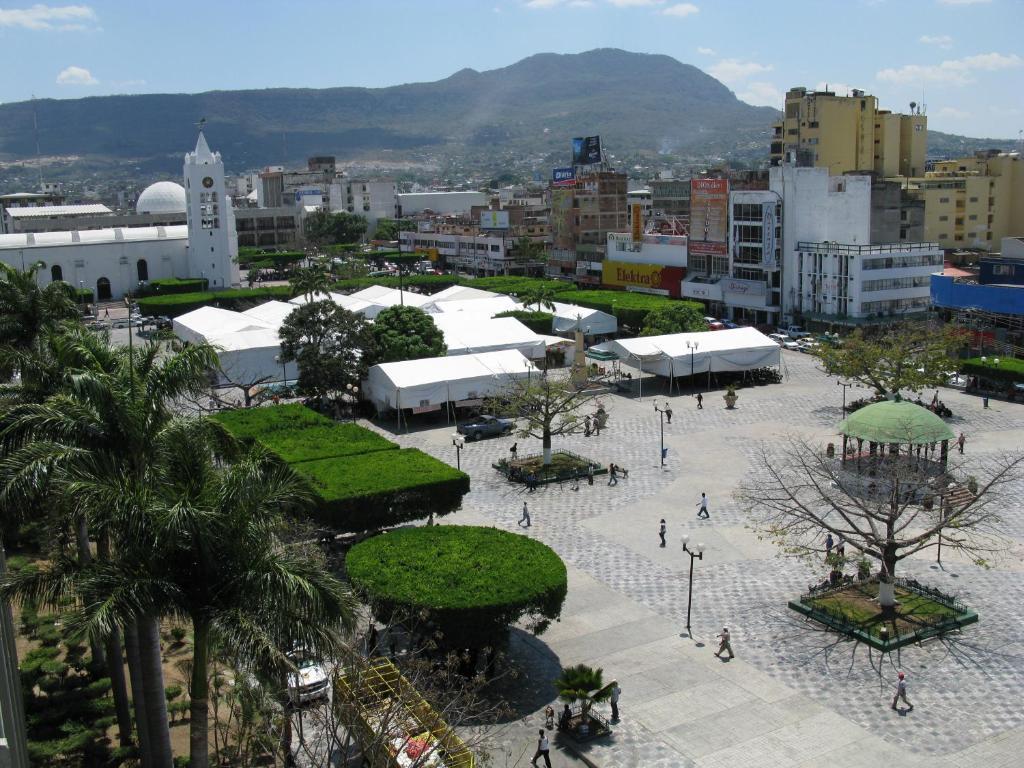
248,347
389,297
461,293
469,332
367,309
273,313
567,316
435,381
738,349
492,306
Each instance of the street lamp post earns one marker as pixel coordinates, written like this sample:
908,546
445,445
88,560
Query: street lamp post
692,346
845,385
284,374
694,555
661,413
459,442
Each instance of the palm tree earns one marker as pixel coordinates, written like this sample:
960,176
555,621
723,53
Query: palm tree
26,309
233,577
103,422
585,685
308,282
539,298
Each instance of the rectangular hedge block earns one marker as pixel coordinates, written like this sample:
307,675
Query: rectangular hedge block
374,490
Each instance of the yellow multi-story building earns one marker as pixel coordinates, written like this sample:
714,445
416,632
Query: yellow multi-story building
973,202
849,133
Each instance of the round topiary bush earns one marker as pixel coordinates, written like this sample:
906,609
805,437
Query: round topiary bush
470,583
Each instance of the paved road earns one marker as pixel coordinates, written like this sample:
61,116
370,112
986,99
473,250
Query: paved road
794,696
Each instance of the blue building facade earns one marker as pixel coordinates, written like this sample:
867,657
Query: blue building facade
1004,299
997,270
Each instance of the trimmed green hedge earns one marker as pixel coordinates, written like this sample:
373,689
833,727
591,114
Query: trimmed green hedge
297,434
629,307
517,285
173,285
426,283
1010,369
383,488
82,295
271,260
237,299
472,582
175,305
538,322
362,481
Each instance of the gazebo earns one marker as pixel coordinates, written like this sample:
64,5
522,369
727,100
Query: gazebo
895,423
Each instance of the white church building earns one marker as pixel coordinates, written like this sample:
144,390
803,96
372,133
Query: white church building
113,262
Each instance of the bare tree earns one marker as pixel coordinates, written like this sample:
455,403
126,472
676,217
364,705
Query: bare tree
887,506
545,406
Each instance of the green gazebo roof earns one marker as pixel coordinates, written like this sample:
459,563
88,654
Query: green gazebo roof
896,421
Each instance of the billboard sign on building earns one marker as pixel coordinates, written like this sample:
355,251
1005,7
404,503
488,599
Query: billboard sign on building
645,278
561,218
709,217
768,224
563,177
744,293
493,219
586,150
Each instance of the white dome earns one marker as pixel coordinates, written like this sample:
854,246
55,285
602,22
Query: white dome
162,197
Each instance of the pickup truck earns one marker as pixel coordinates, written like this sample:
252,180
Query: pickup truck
794,332
486,426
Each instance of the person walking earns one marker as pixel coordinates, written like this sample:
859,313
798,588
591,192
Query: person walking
549,717
702,512
700,401
661,531
829,543
590,474
901,692
597,425
668,412
542,750
724,644
960,442
616,692
526,516
841,546
613,476
586,426
514,450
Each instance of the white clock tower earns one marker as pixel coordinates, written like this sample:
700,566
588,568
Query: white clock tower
212,240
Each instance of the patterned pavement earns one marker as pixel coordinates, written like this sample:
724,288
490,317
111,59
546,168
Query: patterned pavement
966,687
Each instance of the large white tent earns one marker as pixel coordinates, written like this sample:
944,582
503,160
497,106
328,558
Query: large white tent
461,293
273,313
389,297
493,305
432,382
362,307
247,344
593,322
737,349
469,332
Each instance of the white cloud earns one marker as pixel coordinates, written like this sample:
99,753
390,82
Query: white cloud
681,10
964,2
543,3
762,94
76,76
45,17
706,51
634,3
952,71
733,70
954,113
580,3
943,41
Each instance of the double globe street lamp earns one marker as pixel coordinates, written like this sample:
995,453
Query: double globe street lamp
459,441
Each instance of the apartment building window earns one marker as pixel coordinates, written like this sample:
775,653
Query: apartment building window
972,217
943,199
720,265
974,199
943,236
943,218
1002,270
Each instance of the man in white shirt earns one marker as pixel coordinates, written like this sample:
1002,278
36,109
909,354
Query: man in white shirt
616,692
703,504
542,750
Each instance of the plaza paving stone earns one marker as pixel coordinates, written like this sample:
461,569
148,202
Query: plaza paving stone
795,695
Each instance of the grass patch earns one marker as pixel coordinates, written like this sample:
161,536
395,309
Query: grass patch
857,605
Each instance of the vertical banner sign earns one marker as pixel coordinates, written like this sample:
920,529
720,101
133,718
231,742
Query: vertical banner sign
709,217
636,213
768,224
561,219
586,150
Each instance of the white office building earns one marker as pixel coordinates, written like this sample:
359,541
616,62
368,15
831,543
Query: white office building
830,268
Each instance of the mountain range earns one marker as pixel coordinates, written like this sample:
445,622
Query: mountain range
640,104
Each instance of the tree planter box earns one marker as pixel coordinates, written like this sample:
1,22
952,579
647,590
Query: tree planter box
597,727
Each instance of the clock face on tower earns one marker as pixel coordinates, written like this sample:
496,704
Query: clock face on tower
208,182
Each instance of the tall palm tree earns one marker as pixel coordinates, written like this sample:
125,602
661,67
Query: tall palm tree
26,309
309,281
103,422
539,298
583,684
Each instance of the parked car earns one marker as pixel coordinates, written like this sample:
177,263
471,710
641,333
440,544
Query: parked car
807,345
778,338
794,332
486,426
309,682
790,344
730,324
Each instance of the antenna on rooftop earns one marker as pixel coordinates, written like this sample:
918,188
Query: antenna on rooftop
201,124
35,133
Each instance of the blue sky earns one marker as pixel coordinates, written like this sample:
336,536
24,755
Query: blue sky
965,56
